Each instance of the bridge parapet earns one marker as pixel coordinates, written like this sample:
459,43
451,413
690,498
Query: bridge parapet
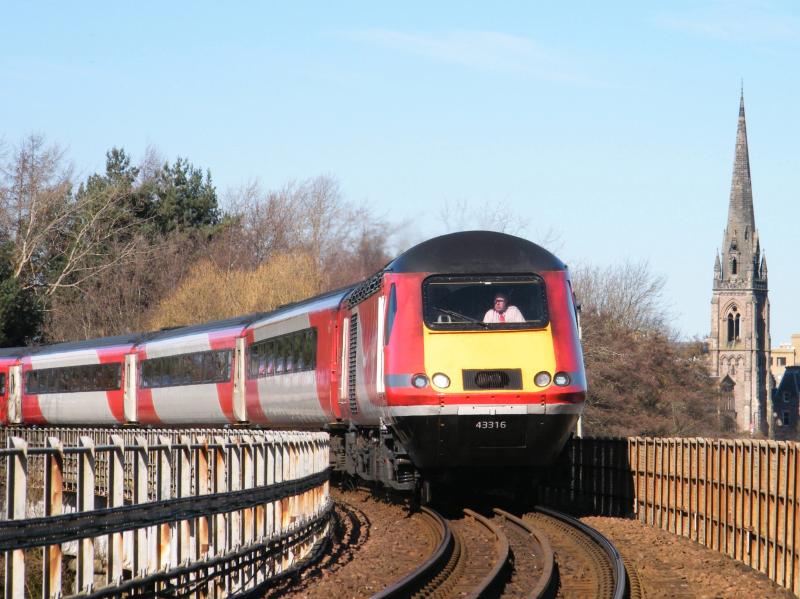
740,497
213,512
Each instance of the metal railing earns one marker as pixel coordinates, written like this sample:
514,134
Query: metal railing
739,497
204,516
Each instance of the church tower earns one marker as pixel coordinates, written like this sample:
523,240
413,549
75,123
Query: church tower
739,345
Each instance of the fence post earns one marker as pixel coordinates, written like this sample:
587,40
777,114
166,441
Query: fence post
140,496
53,506
221,545
84,579
259,471
16,496
248,482
201,475
234,517
165,536
184,482
116,498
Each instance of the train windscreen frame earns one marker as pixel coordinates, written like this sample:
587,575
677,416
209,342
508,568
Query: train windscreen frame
466,302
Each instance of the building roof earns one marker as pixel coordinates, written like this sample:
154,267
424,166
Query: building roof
790,383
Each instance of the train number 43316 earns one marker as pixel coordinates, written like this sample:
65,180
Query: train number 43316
491,424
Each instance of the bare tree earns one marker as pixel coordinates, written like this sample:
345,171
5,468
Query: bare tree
59,239
628,294
499,216
347,240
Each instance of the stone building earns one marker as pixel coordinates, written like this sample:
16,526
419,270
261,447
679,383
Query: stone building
785,402
785,355
739,346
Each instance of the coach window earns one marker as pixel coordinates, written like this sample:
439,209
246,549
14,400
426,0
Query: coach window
291,353
186,369
272,357
310,349
295,352
2,383
280,356
73,379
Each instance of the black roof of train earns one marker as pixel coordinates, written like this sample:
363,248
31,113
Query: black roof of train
476,252
214,325
85,344
13,352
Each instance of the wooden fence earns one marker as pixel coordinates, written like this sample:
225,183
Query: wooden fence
738,497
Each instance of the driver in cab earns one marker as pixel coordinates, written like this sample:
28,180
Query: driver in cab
501,312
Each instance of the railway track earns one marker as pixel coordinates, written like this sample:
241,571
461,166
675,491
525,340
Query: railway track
587,564
470,560
533,572
546,554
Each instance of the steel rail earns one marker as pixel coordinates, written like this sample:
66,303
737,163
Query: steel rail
417,579
502,557
619,574
547,579
39,532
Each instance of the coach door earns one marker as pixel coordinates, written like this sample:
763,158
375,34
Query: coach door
129,394
239,405
15,394
345,330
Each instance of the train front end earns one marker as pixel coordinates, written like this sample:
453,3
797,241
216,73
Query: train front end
483,359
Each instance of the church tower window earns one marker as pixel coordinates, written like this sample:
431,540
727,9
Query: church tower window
733,320
733,266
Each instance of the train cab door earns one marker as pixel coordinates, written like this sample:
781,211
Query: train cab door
15,394
239,403
343,365
129,396
380,383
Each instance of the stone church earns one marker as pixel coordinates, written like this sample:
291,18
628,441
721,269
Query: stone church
739,347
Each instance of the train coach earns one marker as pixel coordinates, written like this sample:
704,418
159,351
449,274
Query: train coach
463,353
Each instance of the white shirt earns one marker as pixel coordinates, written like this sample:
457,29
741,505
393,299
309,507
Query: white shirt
512,314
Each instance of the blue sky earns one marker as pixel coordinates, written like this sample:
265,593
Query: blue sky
609,128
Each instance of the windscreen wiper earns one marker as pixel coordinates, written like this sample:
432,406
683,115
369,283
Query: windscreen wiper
462,316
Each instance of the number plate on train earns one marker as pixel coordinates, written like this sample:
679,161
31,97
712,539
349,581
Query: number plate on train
497,431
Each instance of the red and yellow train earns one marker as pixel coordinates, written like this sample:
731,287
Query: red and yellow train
409,370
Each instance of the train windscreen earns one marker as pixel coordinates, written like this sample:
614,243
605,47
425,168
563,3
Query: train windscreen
482,303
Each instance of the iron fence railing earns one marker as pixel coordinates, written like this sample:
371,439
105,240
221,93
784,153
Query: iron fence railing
155,509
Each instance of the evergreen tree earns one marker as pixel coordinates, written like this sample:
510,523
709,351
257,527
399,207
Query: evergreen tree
185,198
21,314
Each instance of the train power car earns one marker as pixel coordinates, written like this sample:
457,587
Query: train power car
460,355
450,392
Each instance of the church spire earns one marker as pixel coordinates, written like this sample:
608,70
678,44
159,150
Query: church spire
741,221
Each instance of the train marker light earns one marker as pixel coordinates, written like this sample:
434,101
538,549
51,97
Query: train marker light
561,379
420,381
542,379
441,380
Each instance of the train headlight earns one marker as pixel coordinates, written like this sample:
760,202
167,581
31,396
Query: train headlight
542,379
420,381
441,380
561,379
